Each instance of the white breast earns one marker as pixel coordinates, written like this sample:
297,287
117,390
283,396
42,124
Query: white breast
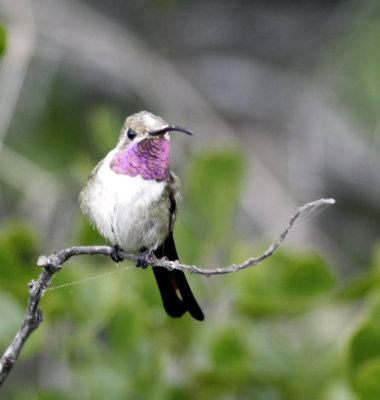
112,201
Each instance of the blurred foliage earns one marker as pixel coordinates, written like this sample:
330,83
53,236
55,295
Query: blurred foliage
269,331
211,192
358,73
287,329
3,39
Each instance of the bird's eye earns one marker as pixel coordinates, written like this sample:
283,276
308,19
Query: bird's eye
131,134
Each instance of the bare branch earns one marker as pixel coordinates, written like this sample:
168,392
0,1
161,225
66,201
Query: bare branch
54,262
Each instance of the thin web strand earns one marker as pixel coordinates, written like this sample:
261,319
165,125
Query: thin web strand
65,285
314,208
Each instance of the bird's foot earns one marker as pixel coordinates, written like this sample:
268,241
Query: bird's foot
114,254
141,260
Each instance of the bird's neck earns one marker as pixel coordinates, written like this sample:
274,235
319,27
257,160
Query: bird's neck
148,158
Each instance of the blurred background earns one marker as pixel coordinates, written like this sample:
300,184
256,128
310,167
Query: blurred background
283,98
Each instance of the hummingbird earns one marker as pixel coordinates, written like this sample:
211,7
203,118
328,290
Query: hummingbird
131,198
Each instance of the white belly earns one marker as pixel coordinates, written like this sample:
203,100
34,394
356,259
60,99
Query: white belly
124,208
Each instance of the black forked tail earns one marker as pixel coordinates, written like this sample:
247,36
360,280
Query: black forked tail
171,281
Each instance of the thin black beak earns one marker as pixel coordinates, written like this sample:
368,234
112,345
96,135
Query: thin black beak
170,128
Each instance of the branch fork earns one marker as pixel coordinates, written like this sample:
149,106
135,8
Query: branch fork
54,262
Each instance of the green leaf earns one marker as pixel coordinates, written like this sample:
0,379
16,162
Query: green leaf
18,256
376,261
375,310
357,287
368,380
365,345
228,348
284,283
363,284
126,327
307,275
3,39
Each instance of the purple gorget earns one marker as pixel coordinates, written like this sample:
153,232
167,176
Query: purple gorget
148,158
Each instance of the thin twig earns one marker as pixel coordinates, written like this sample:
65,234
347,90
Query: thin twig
54,262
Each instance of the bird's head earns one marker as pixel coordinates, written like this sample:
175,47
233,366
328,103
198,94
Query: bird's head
144,126
143,147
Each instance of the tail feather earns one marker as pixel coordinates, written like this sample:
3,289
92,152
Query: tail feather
171,281
172,303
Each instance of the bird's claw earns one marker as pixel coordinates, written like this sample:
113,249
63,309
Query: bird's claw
115,254
141,260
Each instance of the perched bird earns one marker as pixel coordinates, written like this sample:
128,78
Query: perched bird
131,199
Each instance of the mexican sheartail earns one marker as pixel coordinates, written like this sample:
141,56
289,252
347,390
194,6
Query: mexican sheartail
131,199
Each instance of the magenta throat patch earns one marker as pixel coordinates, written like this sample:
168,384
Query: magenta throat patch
148,158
